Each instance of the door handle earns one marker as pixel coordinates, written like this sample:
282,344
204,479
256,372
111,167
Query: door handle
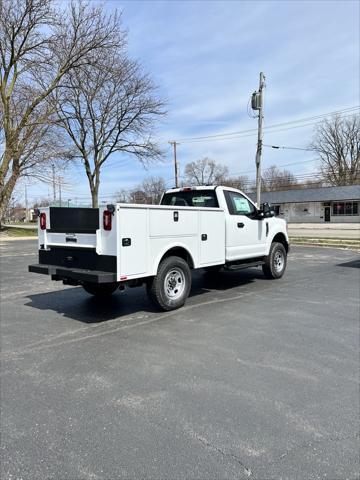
241,225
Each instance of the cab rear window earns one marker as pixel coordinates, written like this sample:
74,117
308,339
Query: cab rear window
193,198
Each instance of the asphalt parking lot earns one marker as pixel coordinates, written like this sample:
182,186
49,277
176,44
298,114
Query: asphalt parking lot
253,378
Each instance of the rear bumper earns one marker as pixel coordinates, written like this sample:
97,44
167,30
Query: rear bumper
78,274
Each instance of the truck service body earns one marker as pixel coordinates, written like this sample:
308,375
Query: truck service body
208,227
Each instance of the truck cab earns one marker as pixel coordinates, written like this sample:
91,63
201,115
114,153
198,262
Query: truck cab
248,230
111,247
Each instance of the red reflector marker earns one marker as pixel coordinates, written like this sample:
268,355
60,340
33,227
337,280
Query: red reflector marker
107,220
43,221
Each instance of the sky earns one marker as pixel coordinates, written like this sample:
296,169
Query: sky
205,57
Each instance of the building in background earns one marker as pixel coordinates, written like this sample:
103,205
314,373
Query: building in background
316,205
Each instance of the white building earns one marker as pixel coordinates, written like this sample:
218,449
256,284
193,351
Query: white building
317,205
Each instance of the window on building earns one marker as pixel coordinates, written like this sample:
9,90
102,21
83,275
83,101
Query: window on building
276,209
345,208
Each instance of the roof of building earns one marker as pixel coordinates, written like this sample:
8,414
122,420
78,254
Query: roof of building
321,194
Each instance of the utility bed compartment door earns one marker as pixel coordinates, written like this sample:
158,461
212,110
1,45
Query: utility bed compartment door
172,222
212,237
133,241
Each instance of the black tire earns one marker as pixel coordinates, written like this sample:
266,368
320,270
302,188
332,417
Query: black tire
100,289
275,262
175,273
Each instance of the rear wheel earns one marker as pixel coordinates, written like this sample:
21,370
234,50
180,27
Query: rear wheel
100,289
275,262
170,288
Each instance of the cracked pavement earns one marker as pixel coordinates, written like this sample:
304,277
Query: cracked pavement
251,379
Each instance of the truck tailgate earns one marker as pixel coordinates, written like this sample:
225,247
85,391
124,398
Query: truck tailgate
74,227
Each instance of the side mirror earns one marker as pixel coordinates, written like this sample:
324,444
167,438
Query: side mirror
266,211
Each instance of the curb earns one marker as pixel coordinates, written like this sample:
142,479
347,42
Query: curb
354,248
11,239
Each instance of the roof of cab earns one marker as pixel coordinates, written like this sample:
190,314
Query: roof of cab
190,188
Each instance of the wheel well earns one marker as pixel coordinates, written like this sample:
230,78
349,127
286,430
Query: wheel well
179,252
280,237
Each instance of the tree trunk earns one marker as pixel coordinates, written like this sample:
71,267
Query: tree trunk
94,197
94,184
7,190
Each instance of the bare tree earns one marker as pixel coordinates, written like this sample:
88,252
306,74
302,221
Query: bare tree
107,109
138,196
148,192
39,45
122,196
42,202
153,187
275,179
337,142
315,183
205,172
241,183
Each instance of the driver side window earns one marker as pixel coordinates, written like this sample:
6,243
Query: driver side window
238,204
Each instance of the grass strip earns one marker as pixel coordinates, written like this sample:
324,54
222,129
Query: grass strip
18,232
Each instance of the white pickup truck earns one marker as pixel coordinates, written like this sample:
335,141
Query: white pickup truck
114,246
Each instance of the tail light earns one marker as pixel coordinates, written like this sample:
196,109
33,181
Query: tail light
107,217
43,221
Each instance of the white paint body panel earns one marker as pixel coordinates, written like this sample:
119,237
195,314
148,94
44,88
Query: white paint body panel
59,240
153,232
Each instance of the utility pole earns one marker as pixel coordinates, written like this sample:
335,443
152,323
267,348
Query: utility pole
257,103
53,181
26,204
173,143
59,179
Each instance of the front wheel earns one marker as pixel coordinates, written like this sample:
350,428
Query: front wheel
170,288
275,262
100,289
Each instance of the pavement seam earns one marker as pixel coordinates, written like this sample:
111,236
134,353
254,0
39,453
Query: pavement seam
311,443
209,445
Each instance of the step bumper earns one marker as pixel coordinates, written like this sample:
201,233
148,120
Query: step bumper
79,274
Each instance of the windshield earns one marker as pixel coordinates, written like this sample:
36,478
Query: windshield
192,198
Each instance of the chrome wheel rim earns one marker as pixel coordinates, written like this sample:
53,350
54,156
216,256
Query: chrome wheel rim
174,283
279,261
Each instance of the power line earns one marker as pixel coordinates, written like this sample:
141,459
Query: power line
269,127
280,166
235,136
278,147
